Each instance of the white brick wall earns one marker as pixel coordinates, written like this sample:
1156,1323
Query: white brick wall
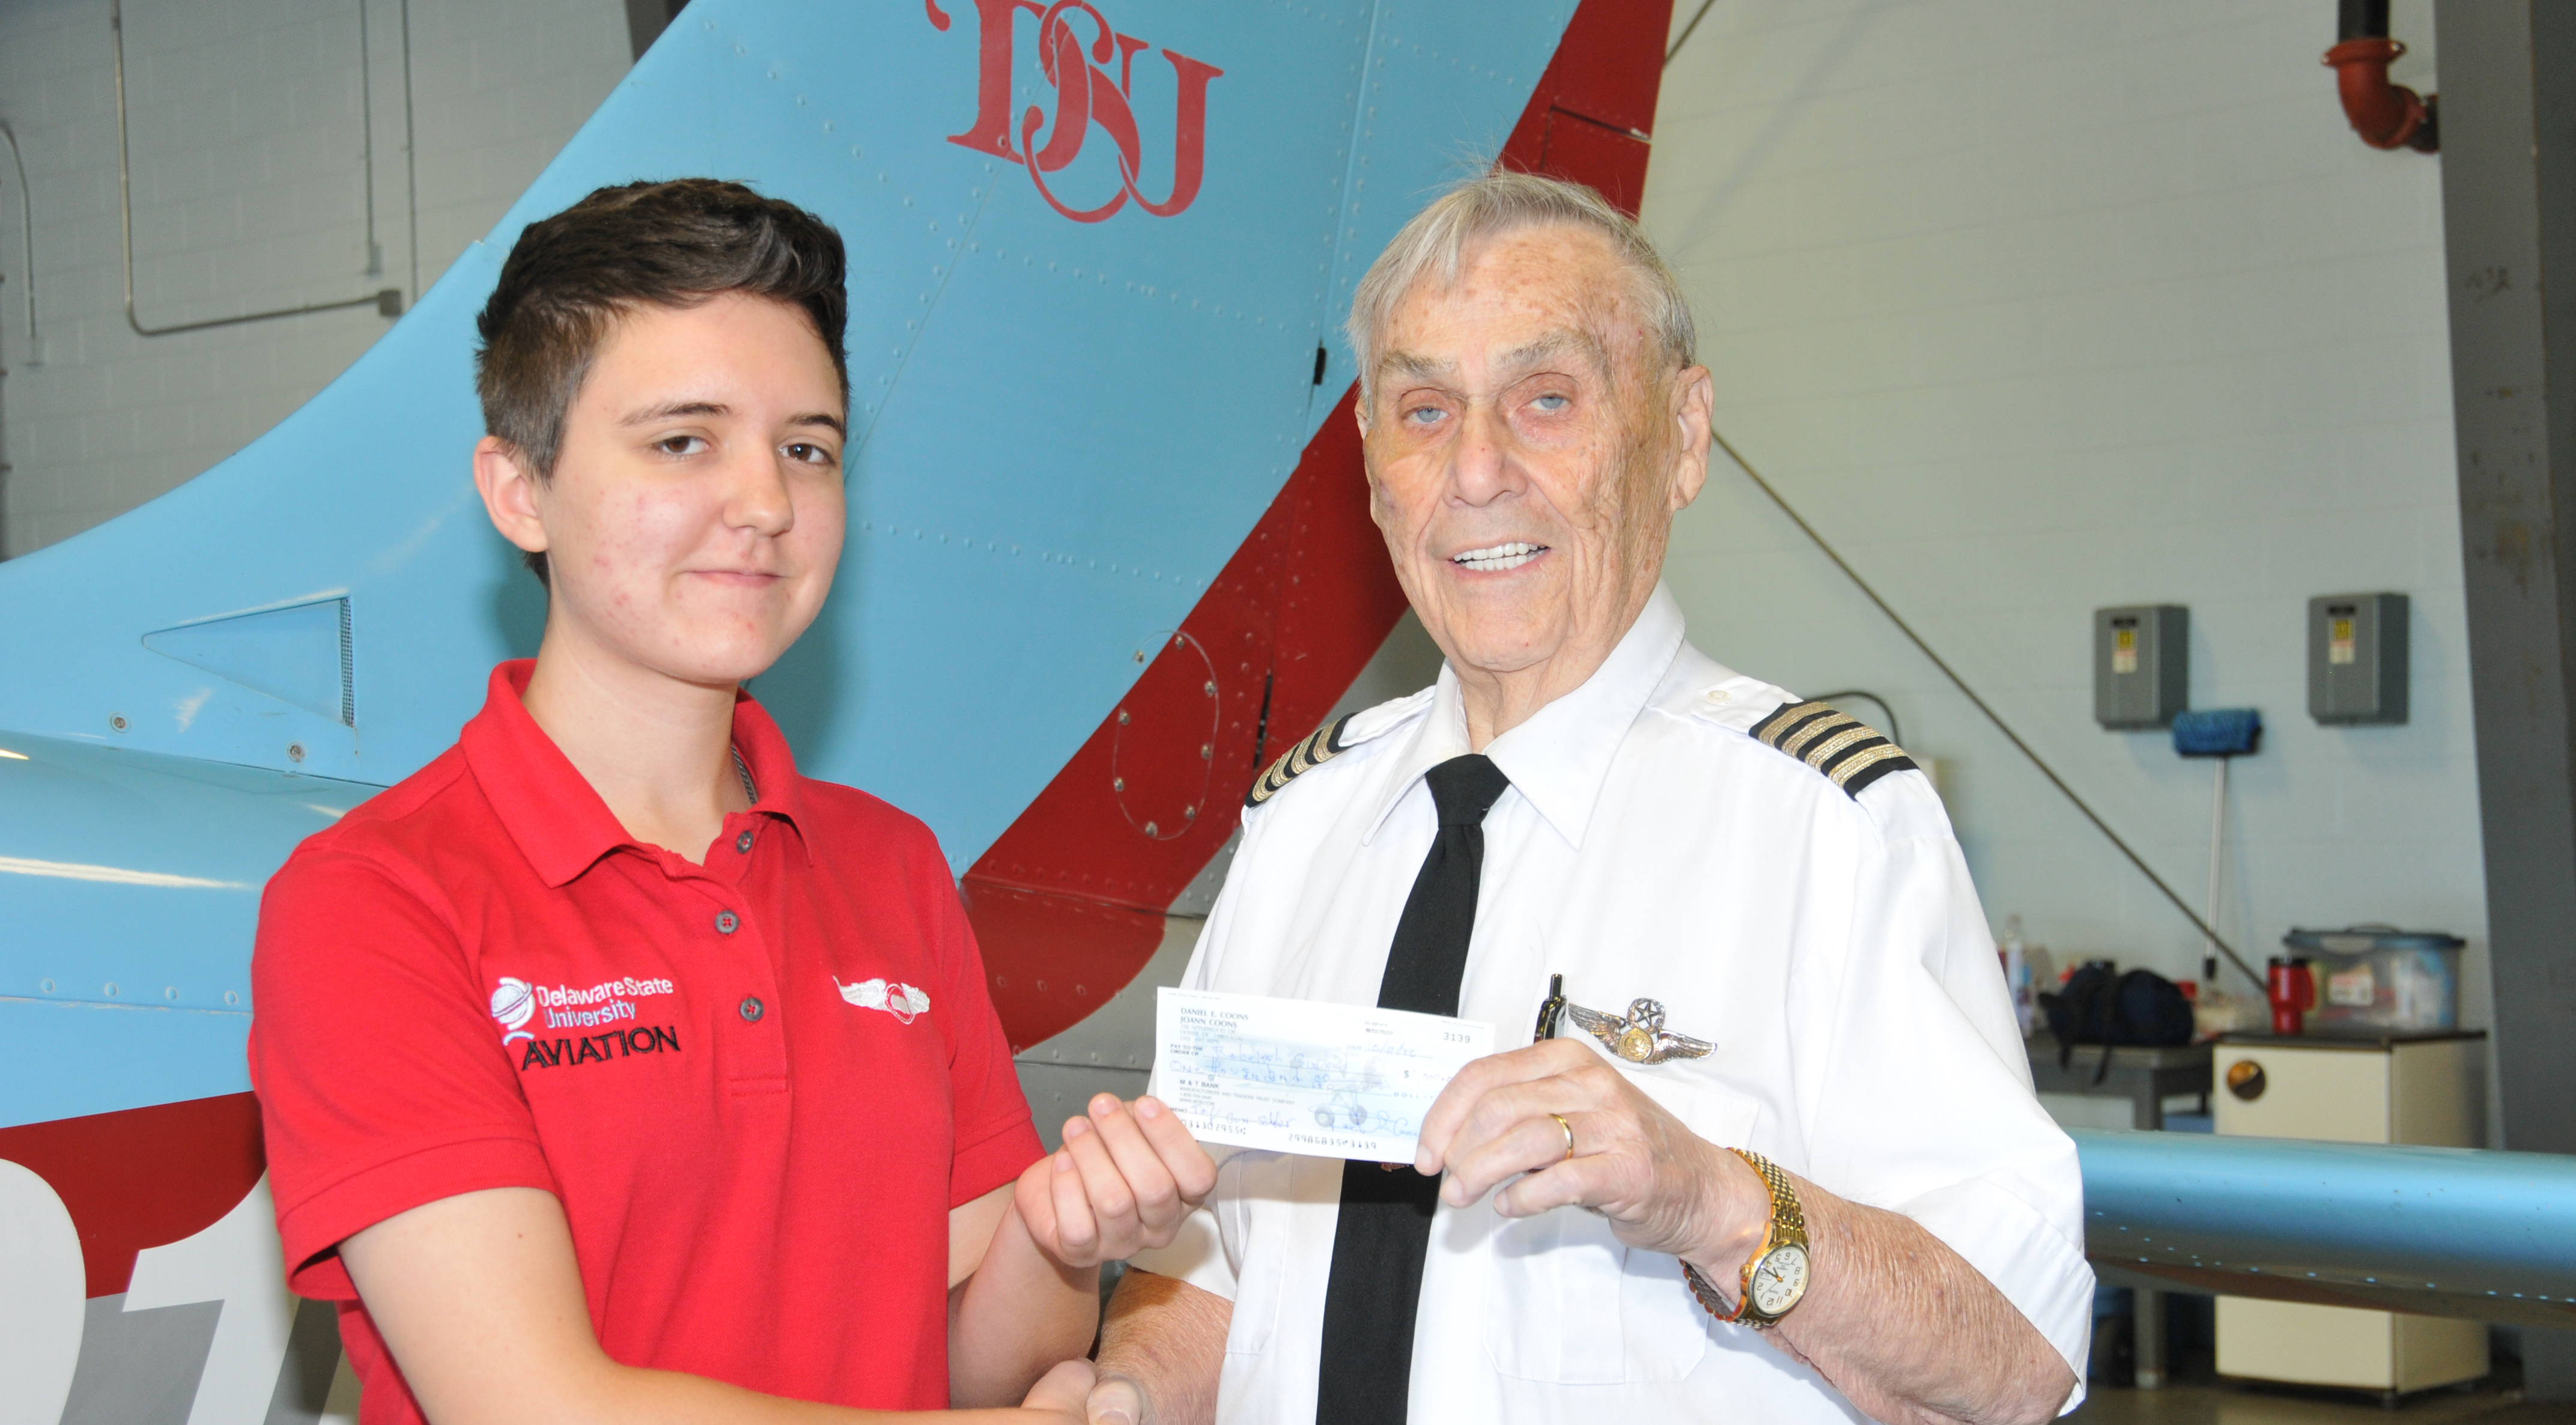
248,194
2034,306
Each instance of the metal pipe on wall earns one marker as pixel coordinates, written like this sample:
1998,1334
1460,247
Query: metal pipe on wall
2385,115
35,350
27,247
1696,16
411,155
367,139
2208,934
387,302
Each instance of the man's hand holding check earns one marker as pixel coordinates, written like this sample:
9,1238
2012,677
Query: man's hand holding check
1576,1133
1292,1076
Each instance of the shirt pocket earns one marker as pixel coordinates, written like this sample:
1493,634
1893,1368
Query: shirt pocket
1256,1219
1570,1305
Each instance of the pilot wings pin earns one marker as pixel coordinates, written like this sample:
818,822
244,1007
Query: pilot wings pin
1639,1035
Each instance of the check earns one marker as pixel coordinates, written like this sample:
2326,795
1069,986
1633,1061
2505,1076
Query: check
1295,1076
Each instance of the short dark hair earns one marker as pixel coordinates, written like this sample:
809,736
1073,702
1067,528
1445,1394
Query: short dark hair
671,244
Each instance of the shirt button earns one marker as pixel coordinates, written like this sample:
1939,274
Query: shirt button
742,843
727,922
751,1009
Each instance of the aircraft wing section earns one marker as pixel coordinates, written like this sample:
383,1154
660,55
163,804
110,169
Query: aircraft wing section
131,883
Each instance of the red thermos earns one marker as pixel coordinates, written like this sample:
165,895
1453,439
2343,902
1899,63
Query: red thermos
2292,988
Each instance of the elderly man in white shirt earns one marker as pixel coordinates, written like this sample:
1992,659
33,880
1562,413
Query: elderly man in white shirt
1775,1156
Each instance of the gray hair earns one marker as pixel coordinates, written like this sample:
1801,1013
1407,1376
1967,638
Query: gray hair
1435,244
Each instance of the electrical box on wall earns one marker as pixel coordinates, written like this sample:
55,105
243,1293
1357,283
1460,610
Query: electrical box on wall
2357,658
2141,665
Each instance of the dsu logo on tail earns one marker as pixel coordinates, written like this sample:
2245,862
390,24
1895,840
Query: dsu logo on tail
1085,94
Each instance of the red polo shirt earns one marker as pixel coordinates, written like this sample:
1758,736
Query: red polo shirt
757,1085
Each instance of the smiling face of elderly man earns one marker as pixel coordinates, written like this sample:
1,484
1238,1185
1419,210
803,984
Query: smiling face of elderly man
1530,431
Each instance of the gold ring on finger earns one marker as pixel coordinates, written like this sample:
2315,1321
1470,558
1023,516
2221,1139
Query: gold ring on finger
1569,1134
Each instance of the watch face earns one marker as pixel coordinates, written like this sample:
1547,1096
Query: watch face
1780,1280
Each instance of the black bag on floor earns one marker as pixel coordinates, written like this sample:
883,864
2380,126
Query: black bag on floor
2099,1005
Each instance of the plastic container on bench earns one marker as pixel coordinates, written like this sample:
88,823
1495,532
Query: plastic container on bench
2372,979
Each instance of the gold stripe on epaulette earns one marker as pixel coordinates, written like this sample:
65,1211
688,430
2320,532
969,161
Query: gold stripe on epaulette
1876,762
1850,753
1785,717
1313,750
1823,752
1301,758
1796,743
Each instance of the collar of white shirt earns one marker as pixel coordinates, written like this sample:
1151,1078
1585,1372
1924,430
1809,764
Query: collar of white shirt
1558,759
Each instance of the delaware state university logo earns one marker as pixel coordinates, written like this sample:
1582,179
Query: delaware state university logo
1076,44
514,1002
900,1000
608,1006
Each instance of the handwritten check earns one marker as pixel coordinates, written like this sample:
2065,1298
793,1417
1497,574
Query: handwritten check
1294,1076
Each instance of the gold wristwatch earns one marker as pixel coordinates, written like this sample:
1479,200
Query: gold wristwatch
1775,1276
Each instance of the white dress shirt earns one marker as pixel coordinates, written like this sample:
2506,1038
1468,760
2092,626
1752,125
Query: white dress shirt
1831,946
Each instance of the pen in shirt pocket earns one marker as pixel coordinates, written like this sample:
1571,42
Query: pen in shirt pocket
1551,1012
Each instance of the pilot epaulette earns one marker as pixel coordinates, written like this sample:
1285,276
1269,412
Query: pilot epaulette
1849,752
1320,746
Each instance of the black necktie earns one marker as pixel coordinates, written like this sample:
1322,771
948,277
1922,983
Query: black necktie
1386,1216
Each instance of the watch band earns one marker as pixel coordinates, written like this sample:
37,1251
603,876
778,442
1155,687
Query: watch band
1788,1226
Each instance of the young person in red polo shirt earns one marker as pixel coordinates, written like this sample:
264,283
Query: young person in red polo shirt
611,1070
